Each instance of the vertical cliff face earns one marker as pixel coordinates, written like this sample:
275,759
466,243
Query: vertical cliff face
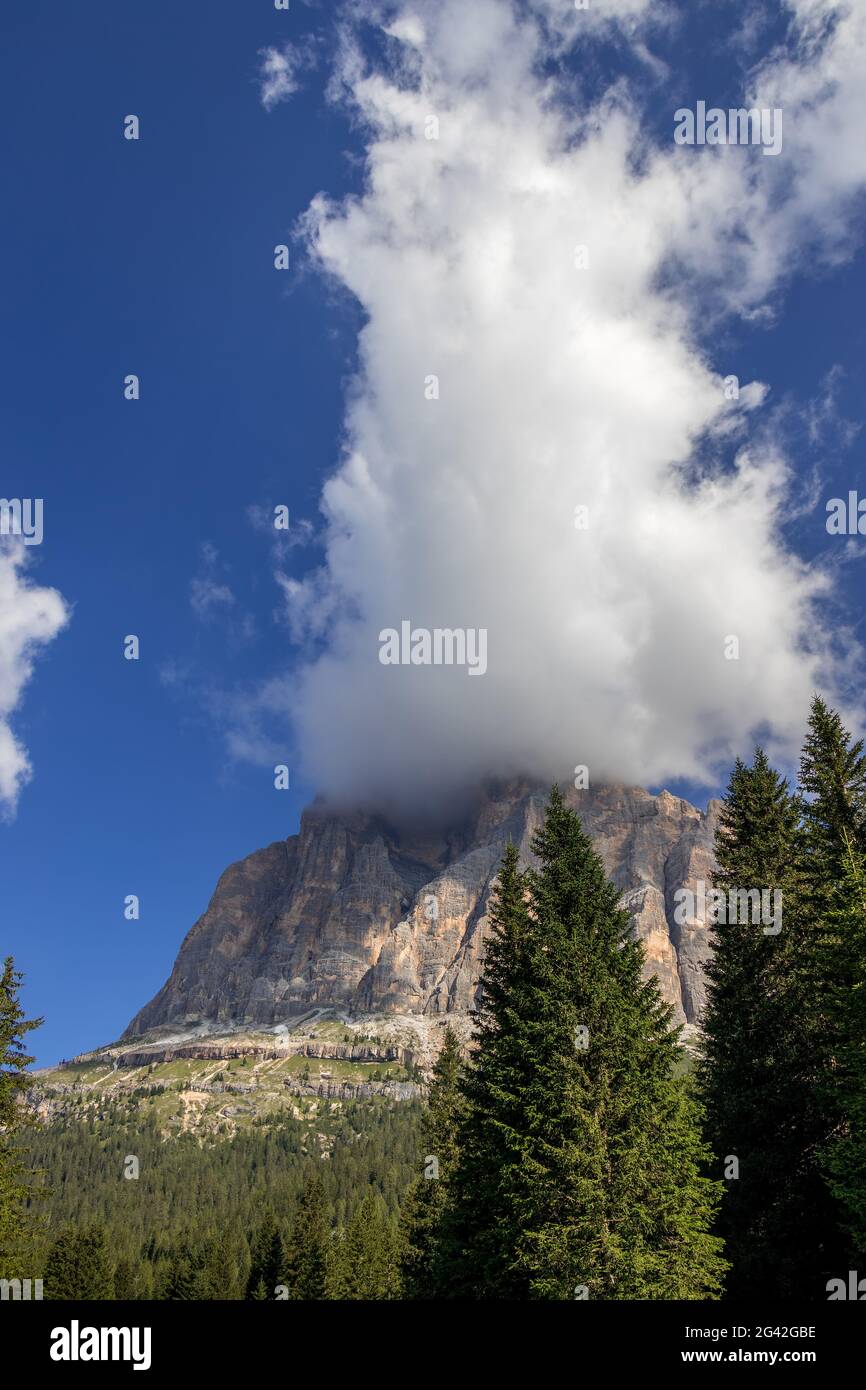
352,913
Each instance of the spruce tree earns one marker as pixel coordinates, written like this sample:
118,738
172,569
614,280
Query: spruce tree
268,1261
833,785
425,1201
833,789
15,1186
307,1257
180,1282
362,1263
580,1154
844,1086
128,1282
216,1279
480,1226
762,1051
78,1266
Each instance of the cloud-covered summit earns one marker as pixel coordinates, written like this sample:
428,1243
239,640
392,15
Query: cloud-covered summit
541,441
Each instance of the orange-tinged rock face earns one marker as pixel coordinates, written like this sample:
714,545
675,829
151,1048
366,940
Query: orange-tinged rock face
354,913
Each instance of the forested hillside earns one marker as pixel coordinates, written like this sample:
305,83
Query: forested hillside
188,1216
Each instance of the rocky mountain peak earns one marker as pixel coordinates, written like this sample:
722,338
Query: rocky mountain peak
356,914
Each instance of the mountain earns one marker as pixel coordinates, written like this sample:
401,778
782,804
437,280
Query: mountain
360,917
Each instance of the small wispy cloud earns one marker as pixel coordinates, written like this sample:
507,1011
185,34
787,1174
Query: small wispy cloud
207,594
278,73
825,421
206,597
251,720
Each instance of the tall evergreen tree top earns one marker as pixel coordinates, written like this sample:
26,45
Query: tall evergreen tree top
508,926
757,836
14,1060
442,1100
571,885
833,780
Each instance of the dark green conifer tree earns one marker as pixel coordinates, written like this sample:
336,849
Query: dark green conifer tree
128,1283
307,1257
363,1260
78,1266
833,790
180,1281
16,1185
763,1050
421,1218
844,1156
833,786
589,1184
480,1225
216,1278
268,1261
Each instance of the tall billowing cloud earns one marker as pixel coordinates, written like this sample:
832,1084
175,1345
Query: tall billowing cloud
30,616
538,441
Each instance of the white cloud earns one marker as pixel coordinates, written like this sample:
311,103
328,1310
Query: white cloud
208,594
562,387
30,616
278,74
762,220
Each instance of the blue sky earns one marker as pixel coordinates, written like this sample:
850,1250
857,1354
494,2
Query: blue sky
156,257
